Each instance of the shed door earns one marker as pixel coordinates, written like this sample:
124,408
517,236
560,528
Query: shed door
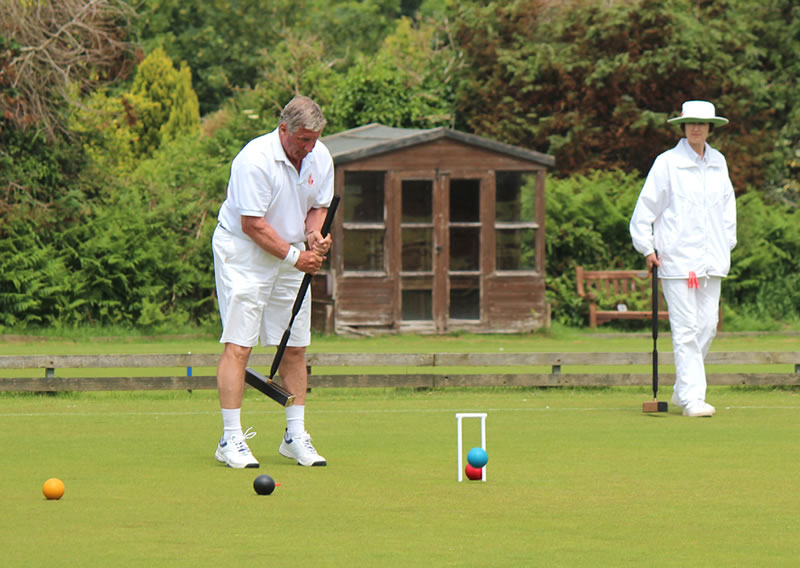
440,234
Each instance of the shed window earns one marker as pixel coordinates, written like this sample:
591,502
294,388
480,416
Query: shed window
363,250
364,221
515,221
417,305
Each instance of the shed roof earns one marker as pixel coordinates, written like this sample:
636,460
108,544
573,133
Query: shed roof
373,139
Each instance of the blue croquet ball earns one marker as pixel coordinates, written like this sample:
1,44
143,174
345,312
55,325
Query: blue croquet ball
477,457
473,473
264,485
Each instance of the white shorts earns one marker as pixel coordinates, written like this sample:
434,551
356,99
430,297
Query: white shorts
256,292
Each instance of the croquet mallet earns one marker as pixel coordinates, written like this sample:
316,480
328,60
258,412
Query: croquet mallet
266,384
654,405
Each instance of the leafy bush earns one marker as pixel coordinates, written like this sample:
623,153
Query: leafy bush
587,225
111,223
35,288
764,281
39,178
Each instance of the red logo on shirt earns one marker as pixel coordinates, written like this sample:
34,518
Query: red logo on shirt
310,180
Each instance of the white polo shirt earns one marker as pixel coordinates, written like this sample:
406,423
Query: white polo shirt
264,183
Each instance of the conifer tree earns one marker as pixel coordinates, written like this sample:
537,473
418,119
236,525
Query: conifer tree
184,113
164,102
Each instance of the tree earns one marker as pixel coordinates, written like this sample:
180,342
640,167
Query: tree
219,39
55,49
593,83
778,31
406,84
118,130
184,114
299,64
223,41
163,102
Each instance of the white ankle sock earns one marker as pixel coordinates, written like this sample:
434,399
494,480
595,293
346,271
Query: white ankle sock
295,420
231,422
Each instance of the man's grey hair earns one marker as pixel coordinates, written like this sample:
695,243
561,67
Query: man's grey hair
302,112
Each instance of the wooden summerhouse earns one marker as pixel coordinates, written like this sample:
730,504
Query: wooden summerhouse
437,231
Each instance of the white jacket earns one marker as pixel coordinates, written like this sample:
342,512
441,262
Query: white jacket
687,212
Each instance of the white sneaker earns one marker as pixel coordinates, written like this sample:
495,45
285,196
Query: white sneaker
301,450
674,400
234,451
699,409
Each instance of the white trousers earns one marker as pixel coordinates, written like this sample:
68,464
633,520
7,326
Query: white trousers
693,317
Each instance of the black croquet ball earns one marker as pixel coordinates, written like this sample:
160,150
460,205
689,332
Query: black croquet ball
264,485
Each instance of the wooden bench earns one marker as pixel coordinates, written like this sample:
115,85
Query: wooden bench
617,286
415,370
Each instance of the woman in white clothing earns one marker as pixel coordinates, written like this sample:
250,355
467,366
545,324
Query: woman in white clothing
684,222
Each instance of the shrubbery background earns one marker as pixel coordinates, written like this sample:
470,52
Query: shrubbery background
587,224
110,182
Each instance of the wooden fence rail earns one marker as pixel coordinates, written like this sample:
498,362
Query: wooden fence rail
454,369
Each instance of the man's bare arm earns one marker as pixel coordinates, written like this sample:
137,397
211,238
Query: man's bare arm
265,236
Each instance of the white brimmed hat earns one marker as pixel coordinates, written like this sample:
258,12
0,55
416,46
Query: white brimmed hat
699,111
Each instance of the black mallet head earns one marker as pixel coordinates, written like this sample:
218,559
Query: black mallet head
655,406
267,386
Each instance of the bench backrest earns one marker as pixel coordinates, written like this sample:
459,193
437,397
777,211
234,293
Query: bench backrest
618,286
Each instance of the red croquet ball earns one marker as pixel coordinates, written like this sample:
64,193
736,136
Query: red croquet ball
473,473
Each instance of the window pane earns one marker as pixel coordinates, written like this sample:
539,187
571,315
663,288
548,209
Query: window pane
363,197
465,299
516,196
417,247
465,248
465,200
417,305
417,201
363,250
516,249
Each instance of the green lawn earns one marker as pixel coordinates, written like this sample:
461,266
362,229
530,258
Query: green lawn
558,340
575,478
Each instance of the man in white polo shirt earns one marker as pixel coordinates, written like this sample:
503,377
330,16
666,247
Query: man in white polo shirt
280,186
687,212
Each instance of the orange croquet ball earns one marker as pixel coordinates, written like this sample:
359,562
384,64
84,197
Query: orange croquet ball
53,488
